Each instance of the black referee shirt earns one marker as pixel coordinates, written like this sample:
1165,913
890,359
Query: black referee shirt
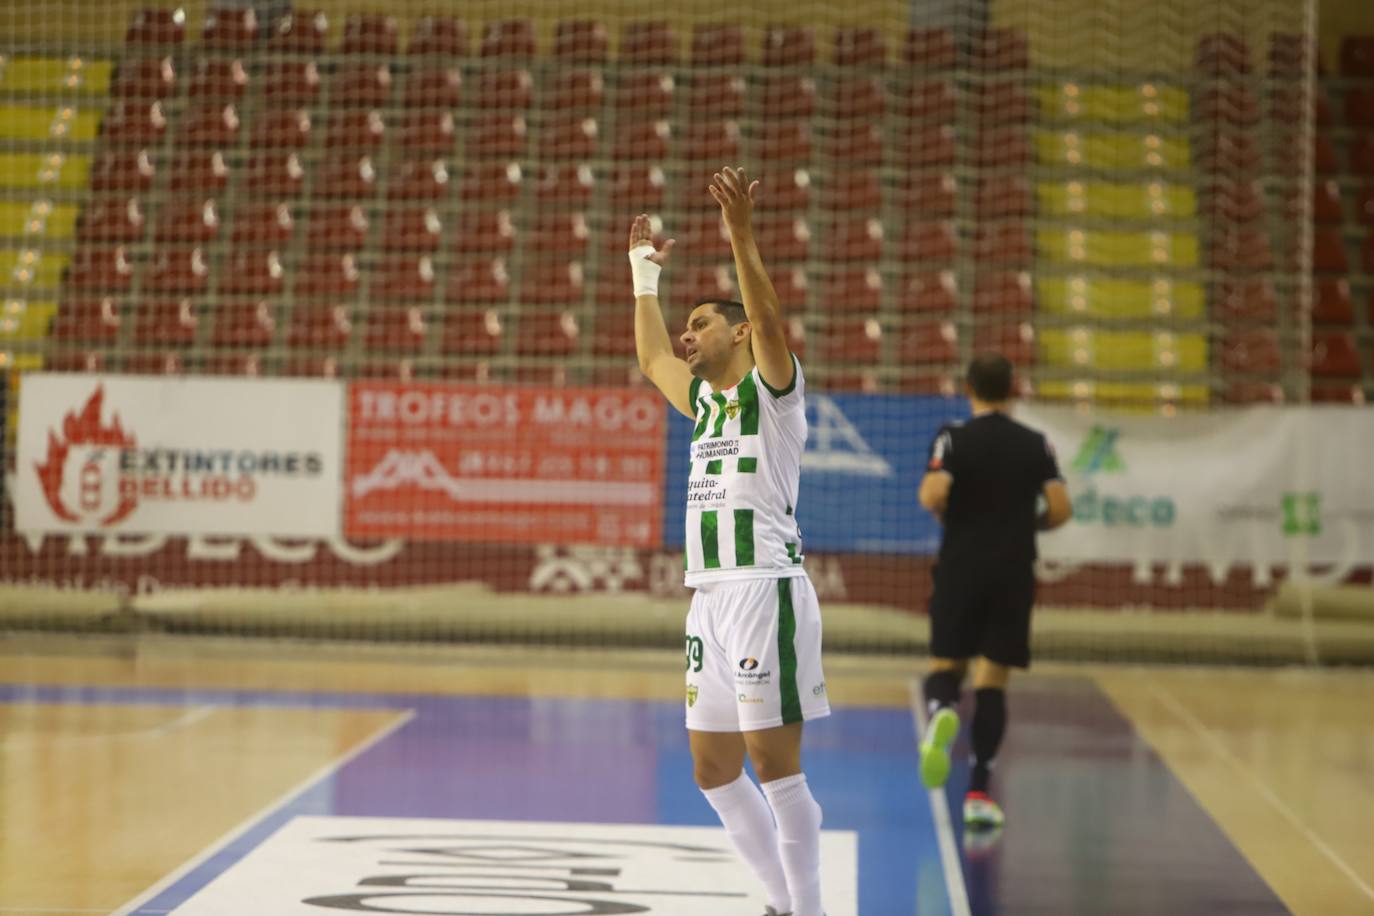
999,467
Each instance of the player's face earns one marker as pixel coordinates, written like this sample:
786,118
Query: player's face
707,340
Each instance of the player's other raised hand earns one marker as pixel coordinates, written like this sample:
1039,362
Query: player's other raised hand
735,194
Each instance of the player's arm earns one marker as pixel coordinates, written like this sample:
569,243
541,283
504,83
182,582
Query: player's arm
1058,506
735,194
655,349
935,485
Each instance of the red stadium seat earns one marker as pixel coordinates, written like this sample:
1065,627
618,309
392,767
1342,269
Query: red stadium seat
483,282
1291,55
346,176
356,129
705,238
1362,154
859,47
928,240
412,229
403,278
648,44
370,33
112,219
230,29
177,270
396,329
853,239
300,32
565,138
315,326
419,179
927,145
1005,243
438,36
508,38
1357,56
717,44
1252,392
1349,392
337,227
581,41
1222,54
503,90
1359,106
1002,103
1366,253
783,141
785,238
930,49
613,335
928,341
1014,341
435,87
1232,151
1003,147
103,268
713,96
1326,202
1328,251
576,92
926,195
79,361
792,287
1004,293
275,174
1324,154
88,320
1002,49
283,128
429,131
244,324
785,97
1241,249
145,79
1230,104
925,100
1234,202
1251,301
853,290
123,170
564,235
209,125
1333,304
361,85
851,340
569,184
857,191
291,83
497,136
134,124
154,364
789,46
928,291
637,188
546,334
218,80
266,224
491,183
713,142
205,172
783,189
484,232
552,283
714,282
1000,196
647,95
187,220
858,142
477,332
327,275
253,271
1252,351
157,27
637,139
166,322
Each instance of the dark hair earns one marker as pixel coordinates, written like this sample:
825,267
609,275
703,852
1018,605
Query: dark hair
733,311
989,375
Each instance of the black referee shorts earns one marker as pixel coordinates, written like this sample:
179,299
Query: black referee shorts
987,614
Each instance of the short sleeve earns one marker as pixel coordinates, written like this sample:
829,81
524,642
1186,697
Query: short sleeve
793,394
941,454
1049,462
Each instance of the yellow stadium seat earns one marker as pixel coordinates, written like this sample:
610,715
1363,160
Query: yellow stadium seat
1112,150
1145,396
37,219
55,75
1139,200
44,170
29,268
1093,348
23,320
1143,103
1103,298
53,122
1118,249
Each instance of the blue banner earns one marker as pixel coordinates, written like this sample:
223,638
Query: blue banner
865,454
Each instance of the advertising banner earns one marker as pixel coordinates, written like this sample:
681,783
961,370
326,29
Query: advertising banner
1264,485
159,455
504,465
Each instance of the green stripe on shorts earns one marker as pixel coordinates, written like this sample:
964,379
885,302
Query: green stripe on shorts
787,655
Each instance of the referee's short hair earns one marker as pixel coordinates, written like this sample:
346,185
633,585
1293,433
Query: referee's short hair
989,377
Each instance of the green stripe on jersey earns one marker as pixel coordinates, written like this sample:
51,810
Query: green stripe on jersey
710,546
748,465
720,402
792,553
787,654
749,406
703,417
744,537
713,467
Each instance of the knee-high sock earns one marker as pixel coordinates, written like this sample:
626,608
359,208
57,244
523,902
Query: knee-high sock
799,840
989,724
749,824
941,689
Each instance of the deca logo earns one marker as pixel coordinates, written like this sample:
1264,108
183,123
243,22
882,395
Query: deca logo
80,476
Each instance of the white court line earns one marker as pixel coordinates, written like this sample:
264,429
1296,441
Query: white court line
939,811
186,719
1268,794
248,823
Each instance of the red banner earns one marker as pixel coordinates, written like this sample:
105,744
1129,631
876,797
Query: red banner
446,462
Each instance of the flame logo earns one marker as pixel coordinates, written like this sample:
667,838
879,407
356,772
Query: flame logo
83,428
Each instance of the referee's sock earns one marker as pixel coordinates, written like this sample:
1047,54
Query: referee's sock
799,840
989,724
749,825
941,689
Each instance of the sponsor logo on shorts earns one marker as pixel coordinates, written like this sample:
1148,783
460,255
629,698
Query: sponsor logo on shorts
746,698
692,693
818,690
748,664
749,674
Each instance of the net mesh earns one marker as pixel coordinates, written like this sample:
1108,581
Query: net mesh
427,199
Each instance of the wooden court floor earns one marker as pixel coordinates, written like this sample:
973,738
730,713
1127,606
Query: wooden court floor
101,801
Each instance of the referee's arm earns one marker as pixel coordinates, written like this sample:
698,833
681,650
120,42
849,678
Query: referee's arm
1058,507
934,492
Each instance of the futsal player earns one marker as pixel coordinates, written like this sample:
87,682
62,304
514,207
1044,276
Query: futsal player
754,626
984,479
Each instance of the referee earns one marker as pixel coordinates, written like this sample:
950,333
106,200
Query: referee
984,480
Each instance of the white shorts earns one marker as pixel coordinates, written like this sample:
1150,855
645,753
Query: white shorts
754,655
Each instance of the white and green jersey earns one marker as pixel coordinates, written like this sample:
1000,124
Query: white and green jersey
746,468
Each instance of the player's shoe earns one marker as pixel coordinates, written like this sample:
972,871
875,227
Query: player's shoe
981,812
941,731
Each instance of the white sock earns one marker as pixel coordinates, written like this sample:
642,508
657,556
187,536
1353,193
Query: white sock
799,840
749,824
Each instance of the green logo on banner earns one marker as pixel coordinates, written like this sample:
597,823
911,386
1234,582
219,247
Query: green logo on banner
1098,452
1302,514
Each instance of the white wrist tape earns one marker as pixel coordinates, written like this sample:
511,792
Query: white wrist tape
645,271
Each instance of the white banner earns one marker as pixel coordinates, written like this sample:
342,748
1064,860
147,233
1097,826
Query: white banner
158,455
1259,486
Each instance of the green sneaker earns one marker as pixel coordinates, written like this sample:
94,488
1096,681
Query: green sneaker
981,812
941,731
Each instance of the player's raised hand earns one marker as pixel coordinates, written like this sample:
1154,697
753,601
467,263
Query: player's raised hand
735,194
642,233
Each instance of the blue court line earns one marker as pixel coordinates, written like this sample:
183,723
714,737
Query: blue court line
600,761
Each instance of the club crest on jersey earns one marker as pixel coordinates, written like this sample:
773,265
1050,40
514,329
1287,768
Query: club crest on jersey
732,409
692,693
